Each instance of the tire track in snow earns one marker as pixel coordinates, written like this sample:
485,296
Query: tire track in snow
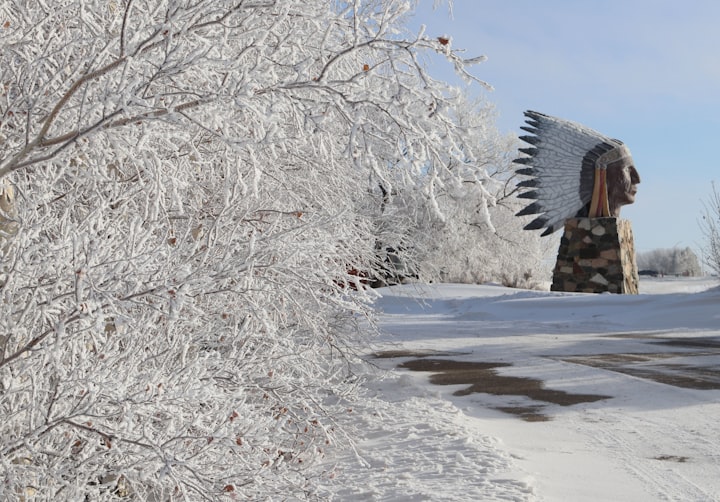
637,442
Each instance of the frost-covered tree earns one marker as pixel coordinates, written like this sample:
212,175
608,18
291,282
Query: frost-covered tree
456,235
187,187
710,225
673,261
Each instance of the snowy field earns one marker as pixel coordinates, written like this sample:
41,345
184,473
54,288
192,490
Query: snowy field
508,394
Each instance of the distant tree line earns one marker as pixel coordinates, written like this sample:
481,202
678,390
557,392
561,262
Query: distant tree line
673,261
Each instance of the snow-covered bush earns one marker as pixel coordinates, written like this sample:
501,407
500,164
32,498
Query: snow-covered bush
186,187
672,261
456,235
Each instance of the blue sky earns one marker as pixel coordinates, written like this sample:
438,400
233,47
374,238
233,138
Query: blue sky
644,71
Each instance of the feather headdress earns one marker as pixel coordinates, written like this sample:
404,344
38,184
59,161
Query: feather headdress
567,164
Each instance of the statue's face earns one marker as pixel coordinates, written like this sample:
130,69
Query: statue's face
622,180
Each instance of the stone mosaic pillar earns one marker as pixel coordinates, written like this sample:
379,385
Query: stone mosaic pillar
596,255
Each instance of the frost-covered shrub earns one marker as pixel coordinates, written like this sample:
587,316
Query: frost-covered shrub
468,232
672,261
186,185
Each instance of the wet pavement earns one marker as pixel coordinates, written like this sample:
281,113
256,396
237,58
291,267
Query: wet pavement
685,362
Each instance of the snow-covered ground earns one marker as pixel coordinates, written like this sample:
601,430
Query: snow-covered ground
623,396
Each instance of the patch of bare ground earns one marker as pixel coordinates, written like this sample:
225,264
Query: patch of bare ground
692,342
659,366
672,458
527,413
655,365
393,354
678,375
482,377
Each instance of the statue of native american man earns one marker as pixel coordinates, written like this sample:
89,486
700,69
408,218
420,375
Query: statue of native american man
574,172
